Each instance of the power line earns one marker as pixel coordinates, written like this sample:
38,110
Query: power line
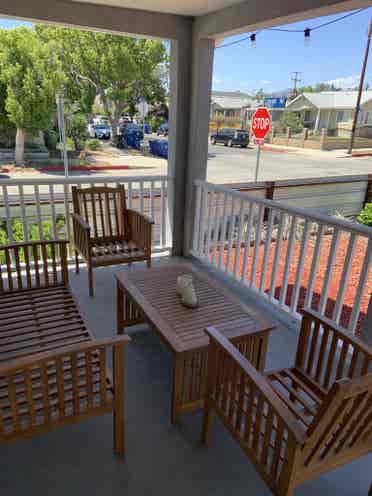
288,30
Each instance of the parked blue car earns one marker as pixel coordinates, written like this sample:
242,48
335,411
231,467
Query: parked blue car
102,131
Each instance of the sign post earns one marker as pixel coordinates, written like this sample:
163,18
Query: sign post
260,126
62,132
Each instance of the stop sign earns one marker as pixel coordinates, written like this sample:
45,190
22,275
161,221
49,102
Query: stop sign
261,121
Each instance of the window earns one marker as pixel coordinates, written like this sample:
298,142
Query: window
367,117
340,116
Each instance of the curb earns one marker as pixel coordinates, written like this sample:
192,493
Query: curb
80,168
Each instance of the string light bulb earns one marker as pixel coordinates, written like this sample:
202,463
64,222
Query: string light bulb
253,40
307,32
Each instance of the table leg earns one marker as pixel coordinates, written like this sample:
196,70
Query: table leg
177,376
261,359
119,308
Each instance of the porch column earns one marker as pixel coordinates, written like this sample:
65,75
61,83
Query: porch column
179,117
189,113
201,87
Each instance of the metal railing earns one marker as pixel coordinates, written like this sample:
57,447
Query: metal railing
41,208
290,256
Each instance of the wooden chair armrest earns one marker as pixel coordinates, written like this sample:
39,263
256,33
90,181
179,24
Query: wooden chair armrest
82,223
145,217
261,386
141,230
13,366
81,235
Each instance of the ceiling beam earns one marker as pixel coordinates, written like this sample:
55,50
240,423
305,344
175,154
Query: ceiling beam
257,14
115,20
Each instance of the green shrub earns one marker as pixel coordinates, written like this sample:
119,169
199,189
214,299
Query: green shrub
51,139
77,129
92,144
365,216
291,120
155,122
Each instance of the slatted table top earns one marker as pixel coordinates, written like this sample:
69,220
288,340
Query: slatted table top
37,320
154,290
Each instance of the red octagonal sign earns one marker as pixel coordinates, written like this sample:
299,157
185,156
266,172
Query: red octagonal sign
261,121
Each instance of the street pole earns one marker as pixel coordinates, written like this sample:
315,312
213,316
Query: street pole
360,90
257,163
62,134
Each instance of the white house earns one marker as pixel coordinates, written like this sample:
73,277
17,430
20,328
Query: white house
333,110
230,103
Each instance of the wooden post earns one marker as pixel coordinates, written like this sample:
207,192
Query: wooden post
360,90
269,195
305,133
288,134
323,138
119,433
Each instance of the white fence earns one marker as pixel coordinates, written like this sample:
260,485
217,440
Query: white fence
42,207
290,256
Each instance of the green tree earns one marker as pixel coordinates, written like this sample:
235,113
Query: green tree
32,75
293,121
118,70
7,128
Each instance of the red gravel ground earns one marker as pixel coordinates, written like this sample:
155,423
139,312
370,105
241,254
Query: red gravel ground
360,250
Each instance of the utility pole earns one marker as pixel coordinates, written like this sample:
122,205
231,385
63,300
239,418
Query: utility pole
360,90
295,78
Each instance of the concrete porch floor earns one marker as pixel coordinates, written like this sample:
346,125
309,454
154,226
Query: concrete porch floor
161,459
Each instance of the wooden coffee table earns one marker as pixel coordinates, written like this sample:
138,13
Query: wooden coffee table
149,295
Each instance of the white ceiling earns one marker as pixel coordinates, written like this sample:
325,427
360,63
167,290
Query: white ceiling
181,7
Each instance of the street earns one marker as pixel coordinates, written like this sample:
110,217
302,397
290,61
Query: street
225,165
230,165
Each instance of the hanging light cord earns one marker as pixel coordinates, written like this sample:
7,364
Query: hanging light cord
285,30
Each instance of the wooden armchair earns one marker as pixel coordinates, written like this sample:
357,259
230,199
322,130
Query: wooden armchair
106,232
295,424
52,370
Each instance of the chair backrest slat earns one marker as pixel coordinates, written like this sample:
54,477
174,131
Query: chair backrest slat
37,264
327,353
104,209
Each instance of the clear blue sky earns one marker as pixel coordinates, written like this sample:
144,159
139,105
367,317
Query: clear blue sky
335,52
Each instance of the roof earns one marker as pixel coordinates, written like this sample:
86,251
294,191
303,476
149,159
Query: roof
232,99
333,99
181,7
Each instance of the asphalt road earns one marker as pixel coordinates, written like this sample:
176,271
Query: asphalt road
228,165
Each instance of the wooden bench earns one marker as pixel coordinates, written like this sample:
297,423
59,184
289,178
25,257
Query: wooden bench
295,424
52,371
106,232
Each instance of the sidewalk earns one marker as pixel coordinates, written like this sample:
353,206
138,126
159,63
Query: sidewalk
363,152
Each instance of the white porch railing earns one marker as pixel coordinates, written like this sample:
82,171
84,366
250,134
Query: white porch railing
290,256
40,208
